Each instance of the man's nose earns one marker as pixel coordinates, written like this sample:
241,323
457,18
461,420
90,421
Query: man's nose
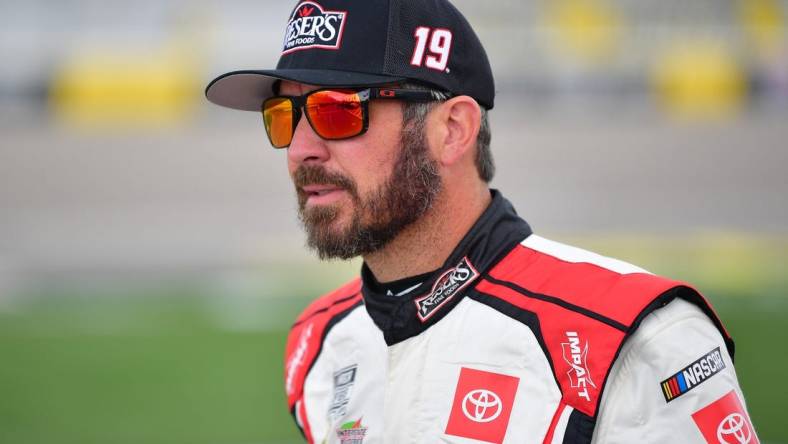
306,146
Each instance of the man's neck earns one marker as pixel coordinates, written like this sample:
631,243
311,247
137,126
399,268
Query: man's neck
424,245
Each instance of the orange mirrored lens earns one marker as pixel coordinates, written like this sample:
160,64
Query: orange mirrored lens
278,118
335,114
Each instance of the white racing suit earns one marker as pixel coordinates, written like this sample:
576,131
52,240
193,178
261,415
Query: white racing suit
516,339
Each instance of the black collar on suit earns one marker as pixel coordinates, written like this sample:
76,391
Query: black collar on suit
495,233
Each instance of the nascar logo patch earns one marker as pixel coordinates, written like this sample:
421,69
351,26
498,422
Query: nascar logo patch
693,375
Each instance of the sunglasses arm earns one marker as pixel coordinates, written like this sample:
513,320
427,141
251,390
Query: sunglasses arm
407,95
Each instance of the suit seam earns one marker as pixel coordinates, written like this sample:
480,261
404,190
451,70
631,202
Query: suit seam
325,309
555,300
633,354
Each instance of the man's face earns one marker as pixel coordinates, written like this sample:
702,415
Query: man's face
356,195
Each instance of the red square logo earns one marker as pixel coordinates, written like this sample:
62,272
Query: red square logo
482,405
724,421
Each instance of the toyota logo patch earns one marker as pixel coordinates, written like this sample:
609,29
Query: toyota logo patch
725,421
734,430
481,405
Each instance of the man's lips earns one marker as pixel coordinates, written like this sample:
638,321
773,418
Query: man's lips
322,194
318,190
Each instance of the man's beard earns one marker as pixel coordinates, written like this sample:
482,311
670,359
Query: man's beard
378,217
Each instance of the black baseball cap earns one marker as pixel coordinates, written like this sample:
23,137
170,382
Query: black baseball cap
357,43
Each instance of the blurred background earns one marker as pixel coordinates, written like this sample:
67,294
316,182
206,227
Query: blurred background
151,260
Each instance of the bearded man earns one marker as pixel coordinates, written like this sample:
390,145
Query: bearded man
463,326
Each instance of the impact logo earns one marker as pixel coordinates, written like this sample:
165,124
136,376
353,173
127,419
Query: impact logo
312,27
351,433
445,287
693,375
577,357
297,359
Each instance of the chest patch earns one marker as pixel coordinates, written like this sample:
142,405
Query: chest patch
451,282
482,405
343,387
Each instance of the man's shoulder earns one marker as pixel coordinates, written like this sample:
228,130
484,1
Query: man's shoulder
307,333
539,247
581,300
550,278
333,302
540,275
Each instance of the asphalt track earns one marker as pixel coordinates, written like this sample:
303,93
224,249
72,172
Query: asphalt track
212,195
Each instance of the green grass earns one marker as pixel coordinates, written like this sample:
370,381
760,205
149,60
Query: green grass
165,375
199,387
758,328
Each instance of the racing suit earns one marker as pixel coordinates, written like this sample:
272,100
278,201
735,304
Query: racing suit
516,339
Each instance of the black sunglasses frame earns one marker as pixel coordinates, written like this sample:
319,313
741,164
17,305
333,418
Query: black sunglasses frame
365,95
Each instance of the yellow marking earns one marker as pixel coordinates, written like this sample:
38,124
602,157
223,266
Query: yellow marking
764,23
589,30
699,80
666,387
123,88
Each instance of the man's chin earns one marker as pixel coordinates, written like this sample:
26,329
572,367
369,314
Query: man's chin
325,215
331,241
328,220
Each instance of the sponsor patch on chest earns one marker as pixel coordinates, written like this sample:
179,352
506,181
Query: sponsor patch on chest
693,375
351,433
343,388
445,288
482,405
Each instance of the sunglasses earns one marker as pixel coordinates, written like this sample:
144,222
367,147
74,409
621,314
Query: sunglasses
333,114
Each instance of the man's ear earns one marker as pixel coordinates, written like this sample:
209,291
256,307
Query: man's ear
460,118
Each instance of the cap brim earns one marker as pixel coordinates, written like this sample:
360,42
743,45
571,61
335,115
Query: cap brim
246,90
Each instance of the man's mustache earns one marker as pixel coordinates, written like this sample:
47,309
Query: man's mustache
318,175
